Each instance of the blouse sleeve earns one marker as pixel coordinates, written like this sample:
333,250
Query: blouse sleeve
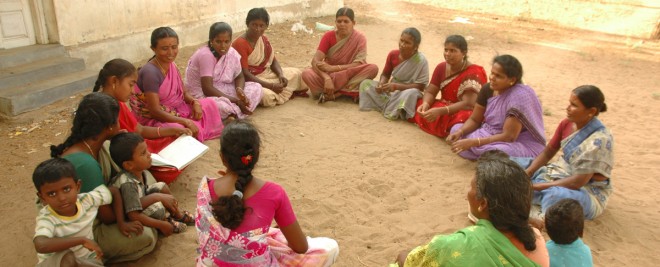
564,129
243,48
150,78
284,215
389,66
205,62
326,41
438,75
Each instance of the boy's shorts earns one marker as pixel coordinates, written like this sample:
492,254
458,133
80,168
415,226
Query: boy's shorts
56,260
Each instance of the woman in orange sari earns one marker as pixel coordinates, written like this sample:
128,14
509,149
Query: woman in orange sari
340,63
459,81
260,65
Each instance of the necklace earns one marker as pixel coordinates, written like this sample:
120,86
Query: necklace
89,147
160,66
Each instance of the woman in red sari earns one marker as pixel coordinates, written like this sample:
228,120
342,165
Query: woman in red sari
459,81
340,63
117,79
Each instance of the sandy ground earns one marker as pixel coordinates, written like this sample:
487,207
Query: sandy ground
380,186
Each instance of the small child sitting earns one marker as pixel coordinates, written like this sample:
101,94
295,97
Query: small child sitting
564,222
129,151
63,234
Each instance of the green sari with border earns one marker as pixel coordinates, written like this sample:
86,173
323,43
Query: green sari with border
477,245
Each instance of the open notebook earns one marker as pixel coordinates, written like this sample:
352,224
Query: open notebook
180,153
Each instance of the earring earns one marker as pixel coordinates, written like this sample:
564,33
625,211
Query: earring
511,83
114,86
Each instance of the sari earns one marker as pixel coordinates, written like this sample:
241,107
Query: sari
258,61
588,150
170,94
225,70
478,245
452,90
346,51
399,104
264,246
519,101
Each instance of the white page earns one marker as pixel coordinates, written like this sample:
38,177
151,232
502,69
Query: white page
183,151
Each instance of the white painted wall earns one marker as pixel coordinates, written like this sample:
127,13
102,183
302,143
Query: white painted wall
635,18
98,31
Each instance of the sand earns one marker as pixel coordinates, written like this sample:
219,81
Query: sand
380,186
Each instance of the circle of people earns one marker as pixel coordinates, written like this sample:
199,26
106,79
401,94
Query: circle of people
102,202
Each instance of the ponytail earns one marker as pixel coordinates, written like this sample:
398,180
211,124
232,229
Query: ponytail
240,147
117,67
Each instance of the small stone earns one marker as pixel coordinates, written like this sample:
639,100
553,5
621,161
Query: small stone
302,134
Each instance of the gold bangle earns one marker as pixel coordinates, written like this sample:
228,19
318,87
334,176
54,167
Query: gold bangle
479,141
158,131
447,107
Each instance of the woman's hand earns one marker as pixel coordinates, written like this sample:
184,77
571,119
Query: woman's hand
241,96
432,114
277,87
126,228
453,137
325,67
191,125
464,144
283,81
174,131
385,88
423,107
328,87
196,110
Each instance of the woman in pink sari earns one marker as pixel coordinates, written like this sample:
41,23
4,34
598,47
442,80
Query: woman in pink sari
340,63
214,73
236,210
160,99
459,82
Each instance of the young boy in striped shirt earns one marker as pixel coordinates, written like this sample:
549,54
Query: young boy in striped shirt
63,233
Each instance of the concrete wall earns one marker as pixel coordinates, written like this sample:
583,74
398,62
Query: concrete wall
635,18
98,31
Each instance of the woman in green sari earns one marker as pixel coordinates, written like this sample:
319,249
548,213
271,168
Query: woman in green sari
500,198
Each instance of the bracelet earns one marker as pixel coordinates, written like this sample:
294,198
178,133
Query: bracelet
479,141
158,131
340,68
239,88
447,107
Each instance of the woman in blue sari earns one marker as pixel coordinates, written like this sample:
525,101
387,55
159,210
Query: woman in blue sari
584,171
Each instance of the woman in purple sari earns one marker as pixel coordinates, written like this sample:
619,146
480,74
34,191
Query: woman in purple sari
160,99
507,116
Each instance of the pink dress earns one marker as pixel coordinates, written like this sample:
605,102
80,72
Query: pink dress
224,70
254,242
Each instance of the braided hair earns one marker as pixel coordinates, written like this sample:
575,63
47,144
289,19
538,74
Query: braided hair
239,144
117,67
508,190
95,113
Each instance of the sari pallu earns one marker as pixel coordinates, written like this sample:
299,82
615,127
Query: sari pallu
477,245
589,150
452,89
399,104
348,50
521,102
172,101
259,63
226,69
220,246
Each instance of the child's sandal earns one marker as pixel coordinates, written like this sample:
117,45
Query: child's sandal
179,227
186,218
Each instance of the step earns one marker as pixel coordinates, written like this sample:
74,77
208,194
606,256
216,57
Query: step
22,55
35,95
39,70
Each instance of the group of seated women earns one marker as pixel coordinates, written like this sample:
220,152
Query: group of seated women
475,112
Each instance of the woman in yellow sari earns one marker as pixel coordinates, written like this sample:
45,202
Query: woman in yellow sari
340,63
260,65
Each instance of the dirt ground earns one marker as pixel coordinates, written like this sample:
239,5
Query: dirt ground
379,186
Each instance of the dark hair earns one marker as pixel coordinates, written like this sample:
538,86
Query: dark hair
160,33
346,11
511,65
508,190
459,41
257,13
591,97
239,145
412,31
122,147
565,221
218,28
95,113
117,67
51,171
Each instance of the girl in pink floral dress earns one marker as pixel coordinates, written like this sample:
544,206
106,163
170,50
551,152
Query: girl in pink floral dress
235,211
